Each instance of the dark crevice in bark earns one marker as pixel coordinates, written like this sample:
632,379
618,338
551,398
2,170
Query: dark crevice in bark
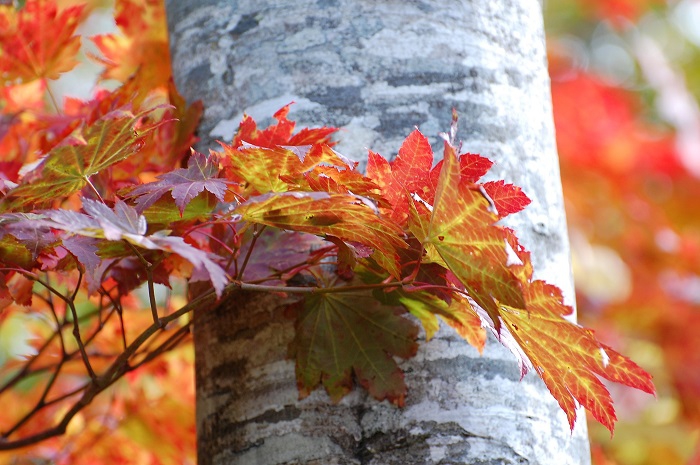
361,451
245,24
404,447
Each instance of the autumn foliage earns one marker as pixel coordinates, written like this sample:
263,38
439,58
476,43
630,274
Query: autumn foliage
108,216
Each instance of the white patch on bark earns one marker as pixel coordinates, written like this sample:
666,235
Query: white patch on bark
511,257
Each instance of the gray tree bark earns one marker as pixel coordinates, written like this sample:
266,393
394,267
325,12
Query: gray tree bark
377,69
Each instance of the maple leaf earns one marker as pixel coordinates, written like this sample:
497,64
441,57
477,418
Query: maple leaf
37,41
348,217
184,184
68,167
473,167
164,214
279,134
312,136
20,288
33,236
125,223
5,297
459,314
506,198
14,254
280,169
346,333
84,249
408,173
413,162
347,255
460,229
411,174
277,250
129,95
141,46
22,97
342,181
566,356
178,136
274,135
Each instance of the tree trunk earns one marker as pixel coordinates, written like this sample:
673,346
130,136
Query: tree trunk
377,69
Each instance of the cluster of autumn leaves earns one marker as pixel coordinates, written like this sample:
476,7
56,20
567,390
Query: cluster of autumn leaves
41,362
102,200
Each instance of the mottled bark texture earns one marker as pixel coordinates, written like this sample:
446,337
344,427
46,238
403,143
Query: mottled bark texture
377,69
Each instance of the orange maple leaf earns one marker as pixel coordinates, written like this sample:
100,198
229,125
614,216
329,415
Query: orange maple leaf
142,44
567,357
38,42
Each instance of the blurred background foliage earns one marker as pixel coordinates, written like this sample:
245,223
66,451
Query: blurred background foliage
625,86
147,417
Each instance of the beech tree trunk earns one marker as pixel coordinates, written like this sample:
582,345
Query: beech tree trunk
377,69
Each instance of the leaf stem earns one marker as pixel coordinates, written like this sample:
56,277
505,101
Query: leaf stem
52,97
315,290
149,280
256,234
94,189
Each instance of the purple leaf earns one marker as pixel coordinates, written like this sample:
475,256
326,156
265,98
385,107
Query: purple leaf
84,249
28,230
184,184
125,223
118,222
199,258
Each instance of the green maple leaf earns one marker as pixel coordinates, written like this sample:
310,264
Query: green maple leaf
341,334
459,314
67,168
14,253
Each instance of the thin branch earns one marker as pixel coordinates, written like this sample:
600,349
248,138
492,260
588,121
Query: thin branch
26,371
77,285
118,307
121,364
76,325
40,404
167,345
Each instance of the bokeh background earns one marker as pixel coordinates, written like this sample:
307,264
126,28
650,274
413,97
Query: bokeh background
625,86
